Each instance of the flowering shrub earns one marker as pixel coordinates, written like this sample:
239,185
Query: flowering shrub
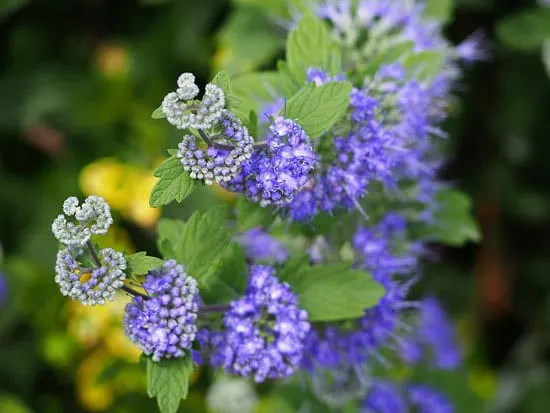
340,148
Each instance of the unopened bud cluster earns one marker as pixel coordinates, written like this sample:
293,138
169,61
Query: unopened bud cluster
90,286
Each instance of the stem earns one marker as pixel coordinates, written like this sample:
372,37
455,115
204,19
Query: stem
214,308
223,146
133,292
95,258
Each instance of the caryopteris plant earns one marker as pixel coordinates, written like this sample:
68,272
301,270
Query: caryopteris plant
335,157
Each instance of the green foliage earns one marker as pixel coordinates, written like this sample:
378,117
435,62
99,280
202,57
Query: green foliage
333,292
158,113
140,263
318,108
199,244
525,30
454,224
425,64
251,215
168,381
309,45
174,184
440,10
247,41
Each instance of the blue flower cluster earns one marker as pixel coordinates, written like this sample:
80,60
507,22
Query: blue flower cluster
260,246
264,331
386,397
434,338
163,323
275,174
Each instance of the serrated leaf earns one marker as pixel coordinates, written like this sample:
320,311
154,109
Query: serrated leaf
335,292
158,113
453,222
441,10
199,244
140,263
168,381
309,44
222,81
174,184
251,215
318,108
525,30
169,231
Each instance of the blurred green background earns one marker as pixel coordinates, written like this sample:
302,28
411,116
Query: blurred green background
78,81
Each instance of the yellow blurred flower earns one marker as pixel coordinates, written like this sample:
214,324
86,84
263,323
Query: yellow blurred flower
112,60
94,395
221,58
483,382
125,187
119,345
91,324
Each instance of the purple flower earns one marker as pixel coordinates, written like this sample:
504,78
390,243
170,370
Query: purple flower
163,324
427,400
259,245
274,175
264,331
434,334
385,397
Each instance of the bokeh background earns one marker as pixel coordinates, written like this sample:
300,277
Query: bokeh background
78,81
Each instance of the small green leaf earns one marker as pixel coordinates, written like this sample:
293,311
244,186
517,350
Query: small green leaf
168,381
293,267
318,108
426,64
174,183
441,10
251,215
158,113
308,45
222,81
454,224
230,280
140,263
335,292
525,30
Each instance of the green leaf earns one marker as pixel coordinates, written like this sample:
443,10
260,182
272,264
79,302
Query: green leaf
174,183
525,30
169,231
222,81
231,278
293,267
318,108
454,223
441,10
335,292
199,244
158,113
426,64
251,215
309,44
247,41
256,89
168,381
140,263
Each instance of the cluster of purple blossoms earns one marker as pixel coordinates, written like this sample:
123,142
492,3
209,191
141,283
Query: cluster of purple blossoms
386,397
222,160
273,175
260,246
433,336
163,323
264,331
